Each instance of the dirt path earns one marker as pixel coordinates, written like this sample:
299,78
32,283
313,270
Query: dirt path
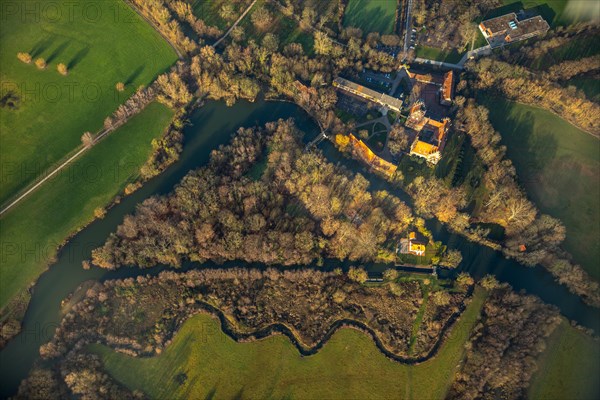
215,44
55,171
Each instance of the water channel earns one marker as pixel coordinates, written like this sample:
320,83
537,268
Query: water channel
211,126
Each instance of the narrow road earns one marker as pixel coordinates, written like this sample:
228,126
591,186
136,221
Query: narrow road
438,63
461,64
408,25
54,172
215,44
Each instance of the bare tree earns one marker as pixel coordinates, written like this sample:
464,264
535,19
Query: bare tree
87,139
62,69
24,57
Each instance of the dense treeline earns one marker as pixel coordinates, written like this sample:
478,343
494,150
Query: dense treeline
570,68
519,84
183,10
261,198
162,17
501,355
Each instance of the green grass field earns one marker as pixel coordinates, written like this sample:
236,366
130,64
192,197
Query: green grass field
568,368
433,53
559,166
202,362
32,229
371,15
102,43
557,12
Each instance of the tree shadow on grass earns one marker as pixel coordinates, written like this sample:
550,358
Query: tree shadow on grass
78,57
58,51
506,9
211,394
373,20
239,395
41,46
134,75
545,11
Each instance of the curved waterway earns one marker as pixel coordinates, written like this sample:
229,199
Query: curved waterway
211,126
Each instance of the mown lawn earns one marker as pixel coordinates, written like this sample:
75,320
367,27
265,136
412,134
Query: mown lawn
568,368
433,53
202,362
101,43
371,15
559,166
32,229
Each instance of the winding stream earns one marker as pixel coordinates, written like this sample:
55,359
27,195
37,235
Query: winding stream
212,125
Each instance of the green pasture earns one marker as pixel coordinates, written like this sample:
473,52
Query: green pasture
568,368
101,43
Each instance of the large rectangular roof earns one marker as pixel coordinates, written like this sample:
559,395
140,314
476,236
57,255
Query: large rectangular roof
369,93
514,28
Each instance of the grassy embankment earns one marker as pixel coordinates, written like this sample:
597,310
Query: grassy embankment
32,229
202,360
559,166
101,43
371,15
568,368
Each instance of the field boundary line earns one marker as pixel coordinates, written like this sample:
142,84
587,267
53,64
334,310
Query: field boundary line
53,172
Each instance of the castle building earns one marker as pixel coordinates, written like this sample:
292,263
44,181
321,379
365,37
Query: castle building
431,134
